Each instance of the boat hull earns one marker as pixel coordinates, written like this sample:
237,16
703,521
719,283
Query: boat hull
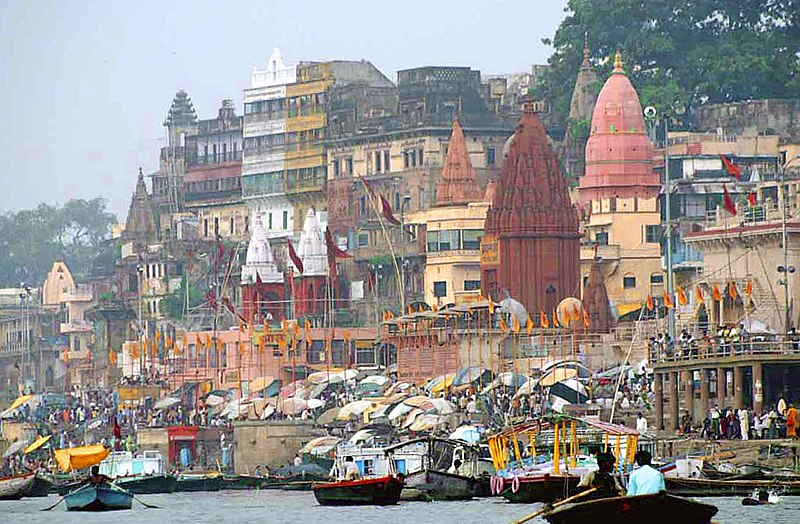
381,491
14,488
198,484
642,508
689,487
545,488
147,484
40,487
102,497
440,485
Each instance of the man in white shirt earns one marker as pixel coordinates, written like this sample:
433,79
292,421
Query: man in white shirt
646,480
641,423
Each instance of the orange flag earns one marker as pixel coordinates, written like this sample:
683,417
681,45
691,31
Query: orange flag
308,325
491,306
668,300
168,341
585,319
410,309
698,293
296,329
515,323
576,315
112,357
385,317
199,342
503,325
543,322
158,337
650,305
732,290
748,288
135,352
555,320
284,326
529,326
715,294
435,308
682,300
262,344
209,342
346,334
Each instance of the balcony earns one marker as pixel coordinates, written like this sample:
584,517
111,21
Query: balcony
219,158
606,252
76,326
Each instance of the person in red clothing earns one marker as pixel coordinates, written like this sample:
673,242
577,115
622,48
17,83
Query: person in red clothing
791,421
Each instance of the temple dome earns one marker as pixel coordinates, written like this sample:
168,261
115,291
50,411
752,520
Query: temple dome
311,248
260,260
619,155
457,184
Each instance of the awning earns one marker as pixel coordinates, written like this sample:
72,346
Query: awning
628,307
259,383
71,459
38,443
20,401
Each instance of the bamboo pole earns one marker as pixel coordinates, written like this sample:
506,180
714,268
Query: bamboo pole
556,449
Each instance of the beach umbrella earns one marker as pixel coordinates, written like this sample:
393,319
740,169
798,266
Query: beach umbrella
439,406
571,391
292,405
319,441
447,379
380,380
511,379
318,390
36,444
259,384
399,410
214,400
293,389
269,409
398,386
527,388
468,434
556,375
369,388
426,423
442,385
411,417
328,416
355,408
314,403
319,377
18,403
361,436
166,402
346,374
471,374
416,401
580,367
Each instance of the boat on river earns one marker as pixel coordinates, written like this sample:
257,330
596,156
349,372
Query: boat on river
102,496
698,487
142,473
41,485
14,488
637,509
198,482
380,491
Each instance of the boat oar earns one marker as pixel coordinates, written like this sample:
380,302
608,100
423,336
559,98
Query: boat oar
54,505
143,503
557,504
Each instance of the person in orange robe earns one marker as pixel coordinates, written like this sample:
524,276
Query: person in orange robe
791,422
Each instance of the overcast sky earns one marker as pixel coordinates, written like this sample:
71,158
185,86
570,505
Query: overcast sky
86,85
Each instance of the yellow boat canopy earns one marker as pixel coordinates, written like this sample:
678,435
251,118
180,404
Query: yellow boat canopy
444,384
36,444
82,457
20,401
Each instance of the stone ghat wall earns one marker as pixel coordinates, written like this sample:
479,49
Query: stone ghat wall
272,444
773,116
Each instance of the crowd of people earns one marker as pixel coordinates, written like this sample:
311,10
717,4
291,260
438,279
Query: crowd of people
780,421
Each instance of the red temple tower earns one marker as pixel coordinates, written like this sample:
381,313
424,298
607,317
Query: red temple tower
531,246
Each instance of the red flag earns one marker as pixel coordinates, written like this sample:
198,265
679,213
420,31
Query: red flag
259,284
731,168
728,203
751,198
387,212
333,249
211,298
293,255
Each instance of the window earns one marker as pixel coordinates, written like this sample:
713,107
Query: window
215,152
336,168
231,226
490,156
348,164
362,206
397,202
652,234
440,289
449,240
472,285
386,161
601,237
657,278
247,224
363,239
285,220
471,238
420,157
629,282
378,162
216,226
270,220
423,199
432,239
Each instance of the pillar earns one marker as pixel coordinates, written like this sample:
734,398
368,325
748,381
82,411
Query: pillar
721,387
673,400
688,378
738,384
704,404
758,386
659,401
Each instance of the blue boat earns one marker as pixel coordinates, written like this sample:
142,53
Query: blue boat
103,496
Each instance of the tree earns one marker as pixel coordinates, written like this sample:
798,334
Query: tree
32,239
680,53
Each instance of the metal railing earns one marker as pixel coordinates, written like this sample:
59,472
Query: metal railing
723,348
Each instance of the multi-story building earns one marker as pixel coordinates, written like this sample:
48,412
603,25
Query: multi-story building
212,182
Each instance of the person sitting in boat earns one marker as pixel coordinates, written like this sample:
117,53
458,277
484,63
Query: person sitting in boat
98,478
455,468
603,477
646,480
351,471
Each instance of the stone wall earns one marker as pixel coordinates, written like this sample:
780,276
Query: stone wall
272,443
153,439
773,116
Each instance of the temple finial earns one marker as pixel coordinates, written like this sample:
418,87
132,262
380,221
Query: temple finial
586,53
618,63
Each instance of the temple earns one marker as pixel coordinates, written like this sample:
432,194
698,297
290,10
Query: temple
262,283
309,287
595,302
584,96
530,249
457,183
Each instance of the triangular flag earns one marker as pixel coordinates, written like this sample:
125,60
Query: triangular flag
555,320
168,341
387,212
135,352
751,198
529,326
698,293
514,323
731,168
727,202
410,309
576,314
308,325
491,306
585,319
296,328
503,325
682,300
112,357
209,343
668,300
421,308
715,294
748,288
543,321
385,318
650,305
732,290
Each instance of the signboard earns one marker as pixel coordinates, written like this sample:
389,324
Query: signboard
490,252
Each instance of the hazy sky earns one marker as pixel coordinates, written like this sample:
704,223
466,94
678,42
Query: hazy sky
86,85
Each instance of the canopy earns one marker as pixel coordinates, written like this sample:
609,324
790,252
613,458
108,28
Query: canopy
260,383
38,443
168,402
71,459
468,434
14,448
319,441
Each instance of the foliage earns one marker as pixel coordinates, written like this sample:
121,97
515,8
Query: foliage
172,305
680,53
32,239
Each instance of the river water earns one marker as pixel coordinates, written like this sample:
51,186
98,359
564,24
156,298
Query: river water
279,507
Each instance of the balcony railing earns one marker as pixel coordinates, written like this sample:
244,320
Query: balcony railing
723,348
219,158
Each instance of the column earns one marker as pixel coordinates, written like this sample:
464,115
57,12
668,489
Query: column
704,404
673,400
721,387
659,401
738,384
688,378
758,386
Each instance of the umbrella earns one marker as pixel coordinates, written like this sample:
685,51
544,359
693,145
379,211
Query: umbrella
319,441
319,377
292,405
319,389
260,384
268,411
438,380
375,379
527,388
570,390
360,436
18,403
426,423
416,401
511,379
314,403
445,382
293,389
166,402
355,408
440,406
39,442
14,448
468,434
346,374
411,417
398,386
214,400
399,410
328,416
557,375
580,367
468,375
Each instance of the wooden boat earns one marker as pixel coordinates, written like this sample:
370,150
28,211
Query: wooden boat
198,482
751,501
641,508
441,485
14,488
242,482
380,491
147,484
103,496
541,488
692,487
40,487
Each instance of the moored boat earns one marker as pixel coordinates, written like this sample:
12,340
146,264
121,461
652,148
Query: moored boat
641,508
198,482
147,484
441,485
691,487
381,491
103,496
544,488
14,488
40,487
242,482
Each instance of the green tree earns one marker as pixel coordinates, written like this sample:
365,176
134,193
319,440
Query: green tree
680,52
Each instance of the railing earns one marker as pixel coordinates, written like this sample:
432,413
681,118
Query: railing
220,158
723,348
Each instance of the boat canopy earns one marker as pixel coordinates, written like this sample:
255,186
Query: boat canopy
38,443
71,459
